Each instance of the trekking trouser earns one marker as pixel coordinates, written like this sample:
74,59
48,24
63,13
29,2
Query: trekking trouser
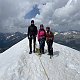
42,44
50,49
30,43
34,43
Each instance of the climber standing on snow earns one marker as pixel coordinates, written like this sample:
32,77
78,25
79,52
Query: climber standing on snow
32,33
41,38
49,40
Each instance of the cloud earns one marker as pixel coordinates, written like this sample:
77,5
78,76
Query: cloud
12,12
59,14
47,11
67,17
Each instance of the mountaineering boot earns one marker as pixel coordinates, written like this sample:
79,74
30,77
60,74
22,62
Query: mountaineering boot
30,52
50,56
34,51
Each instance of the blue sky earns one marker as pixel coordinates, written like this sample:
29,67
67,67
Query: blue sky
32,13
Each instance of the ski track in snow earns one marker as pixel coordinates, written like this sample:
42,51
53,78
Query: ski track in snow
17,64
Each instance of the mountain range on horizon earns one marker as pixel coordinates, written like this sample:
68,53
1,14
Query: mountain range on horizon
69,38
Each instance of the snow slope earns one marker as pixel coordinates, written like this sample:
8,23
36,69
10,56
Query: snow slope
17,64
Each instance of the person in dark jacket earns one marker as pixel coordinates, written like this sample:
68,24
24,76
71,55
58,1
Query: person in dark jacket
41,38
32,33
49,40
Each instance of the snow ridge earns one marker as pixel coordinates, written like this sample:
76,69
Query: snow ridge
17,64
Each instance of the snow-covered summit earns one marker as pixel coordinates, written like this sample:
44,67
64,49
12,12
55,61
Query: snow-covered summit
17,64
